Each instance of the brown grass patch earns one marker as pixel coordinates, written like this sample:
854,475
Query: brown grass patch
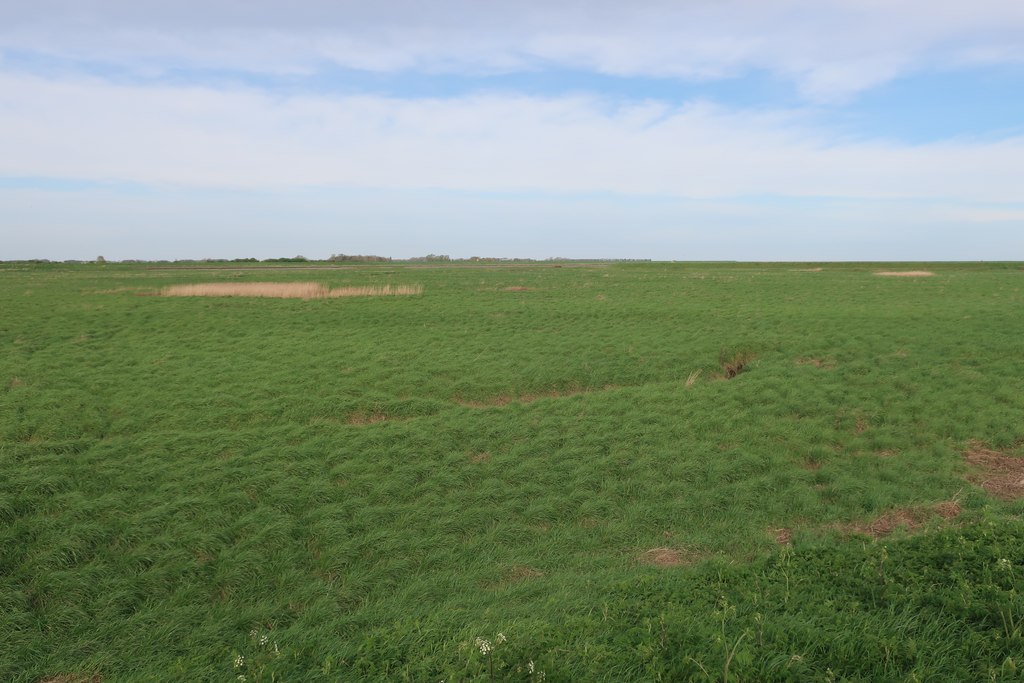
14,383
287,290
518,288
506,399
905,273
665,557
783,536
693,377
910,519
825,363
480,457
522,573
860,426
999,474
363,418
808,270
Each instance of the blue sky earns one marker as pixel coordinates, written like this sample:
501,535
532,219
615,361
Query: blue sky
780,130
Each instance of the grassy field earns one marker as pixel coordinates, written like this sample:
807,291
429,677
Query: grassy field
612,472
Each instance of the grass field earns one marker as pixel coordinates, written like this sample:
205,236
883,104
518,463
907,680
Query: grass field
608,472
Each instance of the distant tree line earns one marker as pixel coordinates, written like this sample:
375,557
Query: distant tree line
360,258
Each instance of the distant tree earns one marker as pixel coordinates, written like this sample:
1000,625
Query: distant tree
100,259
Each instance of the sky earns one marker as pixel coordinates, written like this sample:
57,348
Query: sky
758,130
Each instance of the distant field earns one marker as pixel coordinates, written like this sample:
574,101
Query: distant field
608,472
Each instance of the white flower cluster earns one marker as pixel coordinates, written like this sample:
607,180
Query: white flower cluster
1004,565
239,661
484,646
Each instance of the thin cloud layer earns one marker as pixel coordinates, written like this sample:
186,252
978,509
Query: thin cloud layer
830,50
201,137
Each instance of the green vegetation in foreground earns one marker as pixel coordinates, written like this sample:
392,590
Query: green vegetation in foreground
360,489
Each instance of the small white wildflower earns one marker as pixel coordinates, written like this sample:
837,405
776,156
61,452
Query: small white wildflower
276,651
241,678
500,639
252,633
1004,564
540,675
264,639
529,666
484,645
239,661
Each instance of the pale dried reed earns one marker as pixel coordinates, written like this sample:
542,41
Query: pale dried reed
376,290
287,290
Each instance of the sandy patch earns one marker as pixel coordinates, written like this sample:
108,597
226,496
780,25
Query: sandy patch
905,273
517,288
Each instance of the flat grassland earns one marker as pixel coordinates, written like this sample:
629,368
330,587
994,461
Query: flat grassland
602,472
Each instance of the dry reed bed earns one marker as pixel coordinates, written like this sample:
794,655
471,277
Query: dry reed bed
905,273
287,290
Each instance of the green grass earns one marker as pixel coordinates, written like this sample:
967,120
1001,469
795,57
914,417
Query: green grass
375,483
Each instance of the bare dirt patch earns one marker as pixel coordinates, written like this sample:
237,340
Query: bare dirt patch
909,518
665,557
905,273
999,474
807,270
287,290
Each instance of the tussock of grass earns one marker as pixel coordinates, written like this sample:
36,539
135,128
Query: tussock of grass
734,362
287,290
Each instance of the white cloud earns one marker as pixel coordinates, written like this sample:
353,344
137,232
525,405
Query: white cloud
202,137
831,49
